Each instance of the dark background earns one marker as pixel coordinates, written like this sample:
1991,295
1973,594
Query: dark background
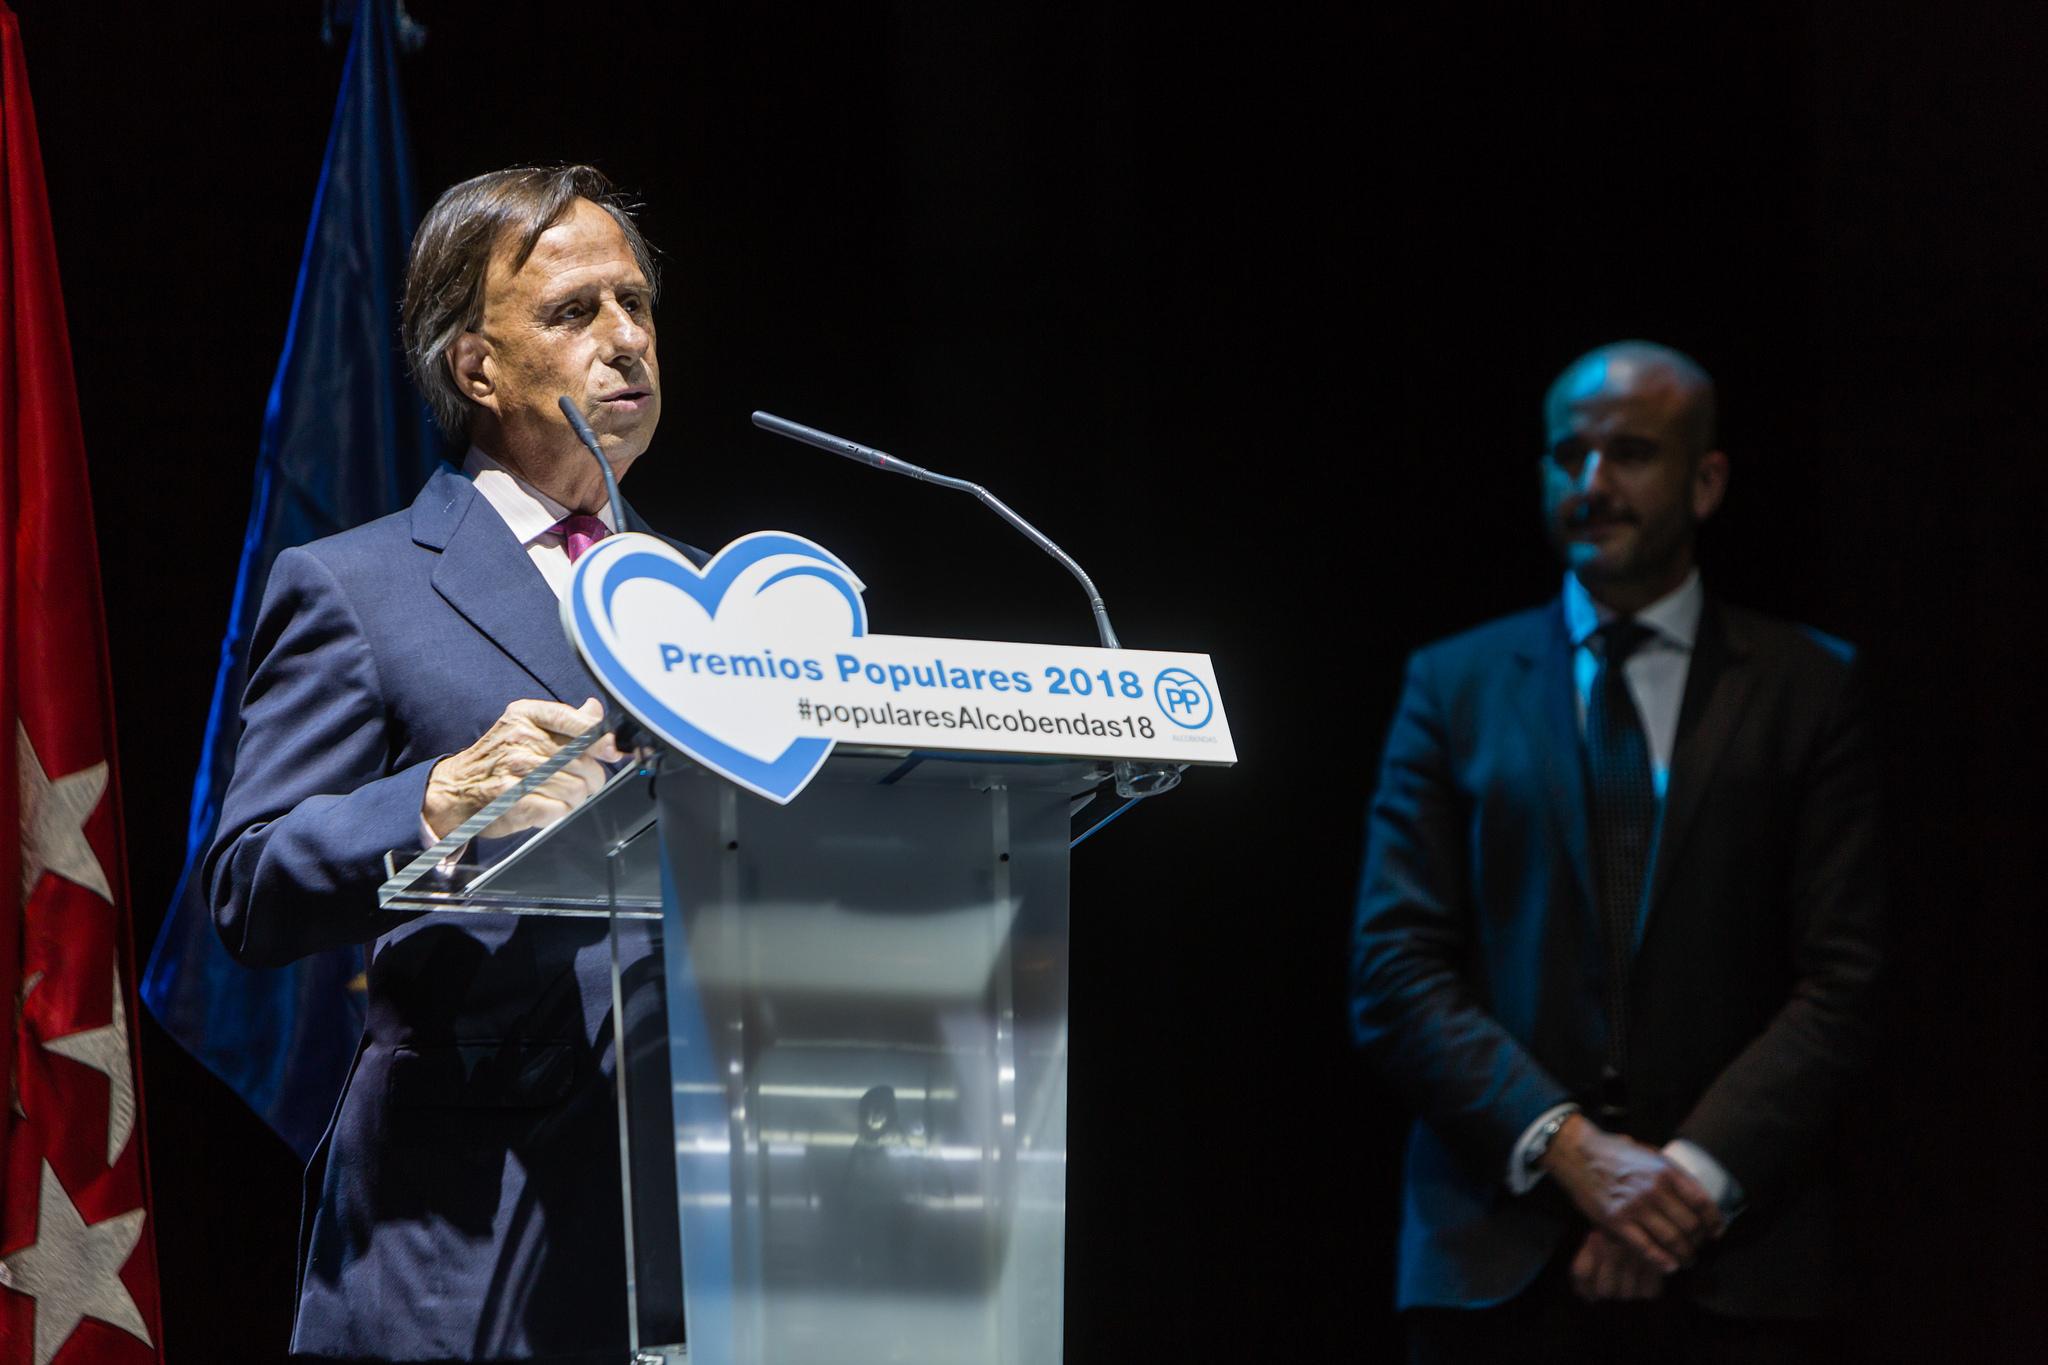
1252,312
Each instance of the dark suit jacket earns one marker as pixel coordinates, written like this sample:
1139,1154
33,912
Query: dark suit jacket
1478,963
464,1204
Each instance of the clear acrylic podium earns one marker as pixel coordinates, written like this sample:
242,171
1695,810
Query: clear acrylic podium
841,1033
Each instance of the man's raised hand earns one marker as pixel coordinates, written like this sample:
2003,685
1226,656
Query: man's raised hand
522,739
1633,1192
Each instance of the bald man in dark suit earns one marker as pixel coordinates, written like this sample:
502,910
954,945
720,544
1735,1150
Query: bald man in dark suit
1618,929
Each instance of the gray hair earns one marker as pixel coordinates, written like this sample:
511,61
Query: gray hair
451,257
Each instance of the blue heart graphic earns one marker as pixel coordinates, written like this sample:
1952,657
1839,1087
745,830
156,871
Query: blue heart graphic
624,559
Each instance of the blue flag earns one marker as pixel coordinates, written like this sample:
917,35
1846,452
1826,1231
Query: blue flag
345,439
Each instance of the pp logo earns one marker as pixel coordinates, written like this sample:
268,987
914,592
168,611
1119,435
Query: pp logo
1184,698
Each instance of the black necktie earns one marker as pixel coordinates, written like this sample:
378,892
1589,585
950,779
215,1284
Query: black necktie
1624,800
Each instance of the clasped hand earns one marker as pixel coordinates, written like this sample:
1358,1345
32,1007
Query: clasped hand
1649,1217
524,737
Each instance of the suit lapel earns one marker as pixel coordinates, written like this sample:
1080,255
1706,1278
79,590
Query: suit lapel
1716,685
485,575
1550,718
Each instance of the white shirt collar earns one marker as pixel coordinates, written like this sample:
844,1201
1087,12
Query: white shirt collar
529,512
1675,616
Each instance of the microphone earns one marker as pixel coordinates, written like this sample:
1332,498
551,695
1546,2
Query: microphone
875,459
626,731
1134,782
589,439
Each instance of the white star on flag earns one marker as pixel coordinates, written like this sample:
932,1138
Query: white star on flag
73,1271
105,1049
53,818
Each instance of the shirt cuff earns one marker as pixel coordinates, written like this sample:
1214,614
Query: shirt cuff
427,841
1720,1186
1523,1177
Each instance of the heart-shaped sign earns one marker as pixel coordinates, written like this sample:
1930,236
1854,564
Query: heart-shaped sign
675,644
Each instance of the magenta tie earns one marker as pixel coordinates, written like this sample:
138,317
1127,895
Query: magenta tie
579,532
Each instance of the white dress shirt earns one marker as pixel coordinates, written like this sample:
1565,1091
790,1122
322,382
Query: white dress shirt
530,513
1655,674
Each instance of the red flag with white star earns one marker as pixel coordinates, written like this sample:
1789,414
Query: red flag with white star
78,1279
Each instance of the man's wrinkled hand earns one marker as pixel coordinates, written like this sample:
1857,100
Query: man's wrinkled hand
1606,1271
1633,1192
524,737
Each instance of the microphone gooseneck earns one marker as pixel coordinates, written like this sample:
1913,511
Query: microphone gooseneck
876,459
626,731
1134,782
589,439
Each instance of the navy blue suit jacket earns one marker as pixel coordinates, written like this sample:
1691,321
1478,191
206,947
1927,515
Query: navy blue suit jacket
1477,986
464,1204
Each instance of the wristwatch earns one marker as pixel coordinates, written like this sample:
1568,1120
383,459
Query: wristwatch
1544,1136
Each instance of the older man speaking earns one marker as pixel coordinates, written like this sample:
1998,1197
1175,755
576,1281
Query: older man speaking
464,1203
